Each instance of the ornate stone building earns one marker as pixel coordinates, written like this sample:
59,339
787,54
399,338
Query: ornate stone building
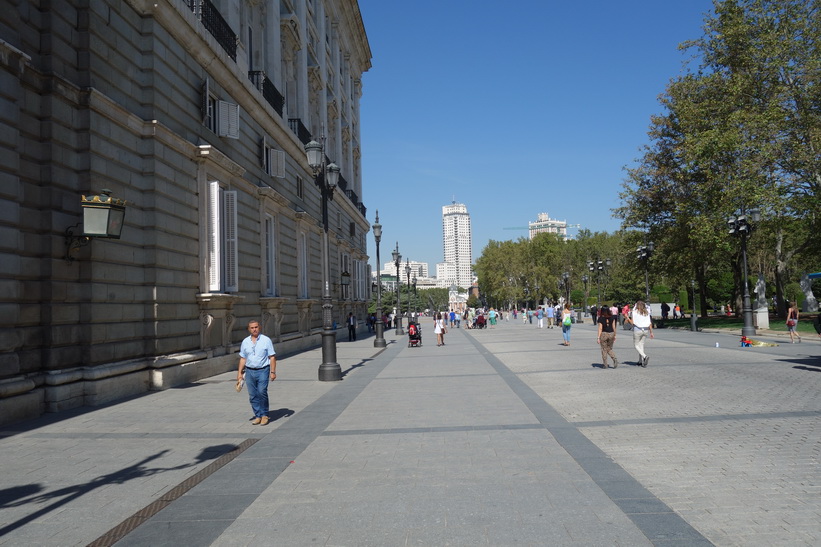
196,113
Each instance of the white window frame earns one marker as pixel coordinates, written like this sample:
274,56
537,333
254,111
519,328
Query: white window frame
227,119
223,254
273,160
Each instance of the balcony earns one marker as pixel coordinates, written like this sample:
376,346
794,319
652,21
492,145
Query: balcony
268,89
214,23
300,130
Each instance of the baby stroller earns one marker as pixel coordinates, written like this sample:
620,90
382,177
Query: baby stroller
480,322
414,334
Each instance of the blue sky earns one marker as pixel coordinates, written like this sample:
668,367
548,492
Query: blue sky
510,108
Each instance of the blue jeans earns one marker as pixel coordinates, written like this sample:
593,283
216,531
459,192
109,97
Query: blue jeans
257,381
566,333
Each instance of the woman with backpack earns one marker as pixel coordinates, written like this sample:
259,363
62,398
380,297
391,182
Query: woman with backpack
566,323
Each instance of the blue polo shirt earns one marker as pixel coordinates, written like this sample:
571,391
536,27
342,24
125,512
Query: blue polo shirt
257,355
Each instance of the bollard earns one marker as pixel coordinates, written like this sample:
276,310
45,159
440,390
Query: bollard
693,322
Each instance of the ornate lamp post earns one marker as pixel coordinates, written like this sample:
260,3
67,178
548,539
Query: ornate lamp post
397,260
407,273
644,253
740,226
585,279
415,300
598,266
325,177
566,278
379,341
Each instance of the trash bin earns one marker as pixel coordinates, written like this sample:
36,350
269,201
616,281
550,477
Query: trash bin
579,318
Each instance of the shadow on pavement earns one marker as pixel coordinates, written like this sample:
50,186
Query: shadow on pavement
23,495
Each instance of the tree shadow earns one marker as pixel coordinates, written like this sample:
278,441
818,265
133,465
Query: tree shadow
358,365
19,496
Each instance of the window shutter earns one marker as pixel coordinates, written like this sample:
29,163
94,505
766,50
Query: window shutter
228,119
214,236
231,252
206,93
277,163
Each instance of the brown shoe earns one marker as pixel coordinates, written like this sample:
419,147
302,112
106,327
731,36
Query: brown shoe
256,421
264,420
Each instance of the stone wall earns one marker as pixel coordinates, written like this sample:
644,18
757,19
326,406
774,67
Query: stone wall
109,94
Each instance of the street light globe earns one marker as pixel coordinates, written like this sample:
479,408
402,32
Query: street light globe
333,175
315,154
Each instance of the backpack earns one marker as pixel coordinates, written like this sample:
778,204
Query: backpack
566,321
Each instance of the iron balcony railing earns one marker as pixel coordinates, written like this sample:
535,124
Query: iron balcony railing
269,90
300,130
210,17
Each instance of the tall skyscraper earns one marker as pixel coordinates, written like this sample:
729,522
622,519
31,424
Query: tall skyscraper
457,241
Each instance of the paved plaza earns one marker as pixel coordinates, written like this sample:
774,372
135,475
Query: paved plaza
501,437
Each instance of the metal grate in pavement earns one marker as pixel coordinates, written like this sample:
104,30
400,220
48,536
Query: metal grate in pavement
131,523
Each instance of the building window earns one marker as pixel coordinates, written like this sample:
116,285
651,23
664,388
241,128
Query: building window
223,271
269,257
299,187
273,160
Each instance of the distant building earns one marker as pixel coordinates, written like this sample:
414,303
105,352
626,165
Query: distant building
418,269
457,241
545,224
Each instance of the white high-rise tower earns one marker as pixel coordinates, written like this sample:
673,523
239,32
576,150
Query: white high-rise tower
457,240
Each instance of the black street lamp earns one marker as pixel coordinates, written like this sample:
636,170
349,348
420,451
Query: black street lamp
566,278
415,299
325,177
740,226
644,253
397,260
379,341
407,273
598,266
585,279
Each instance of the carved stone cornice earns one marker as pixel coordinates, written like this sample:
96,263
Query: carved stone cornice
273,195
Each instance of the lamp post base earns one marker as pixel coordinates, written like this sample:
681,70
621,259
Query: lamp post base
379,341
329,370
748,331
399,330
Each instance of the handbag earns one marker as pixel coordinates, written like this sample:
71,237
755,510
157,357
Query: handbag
791,322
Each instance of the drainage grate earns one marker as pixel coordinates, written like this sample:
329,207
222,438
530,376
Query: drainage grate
131,523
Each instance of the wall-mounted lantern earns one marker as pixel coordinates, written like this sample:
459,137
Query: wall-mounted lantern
102,217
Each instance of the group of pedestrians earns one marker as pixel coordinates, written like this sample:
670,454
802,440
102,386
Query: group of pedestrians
642,326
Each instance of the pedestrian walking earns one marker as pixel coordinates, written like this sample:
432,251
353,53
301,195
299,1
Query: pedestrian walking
439,329
257,361
540,317
551,315
351,322
567,321
492,315
607,337
792,323
642,327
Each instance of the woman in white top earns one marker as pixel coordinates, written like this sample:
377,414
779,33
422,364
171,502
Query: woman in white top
642,326
439,329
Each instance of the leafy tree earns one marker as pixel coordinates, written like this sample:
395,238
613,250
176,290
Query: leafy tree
742,130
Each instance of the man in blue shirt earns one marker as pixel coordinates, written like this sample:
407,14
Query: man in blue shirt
550,315
257,360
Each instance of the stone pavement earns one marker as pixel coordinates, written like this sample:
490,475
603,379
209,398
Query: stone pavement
501,437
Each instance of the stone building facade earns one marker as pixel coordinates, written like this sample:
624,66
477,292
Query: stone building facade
195,112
